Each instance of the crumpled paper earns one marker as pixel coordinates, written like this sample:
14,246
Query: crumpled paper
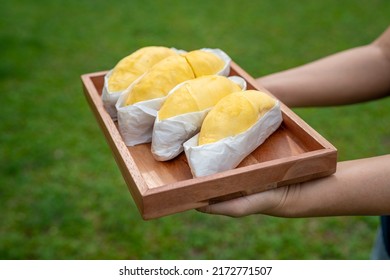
227,153
110,98
170,134
136,121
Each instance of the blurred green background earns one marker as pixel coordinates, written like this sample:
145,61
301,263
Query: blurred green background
61,193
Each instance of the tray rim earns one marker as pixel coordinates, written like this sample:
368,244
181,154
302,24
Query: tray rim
145,196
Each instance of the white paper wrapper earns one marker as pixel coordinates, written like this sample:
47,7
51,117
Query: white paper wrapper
170,134
110,98
136,121
227,153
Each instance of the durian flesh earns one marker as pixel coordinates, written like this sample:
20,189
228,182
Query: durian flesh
234,114
129,68
171,71
204,62
160,79
197,95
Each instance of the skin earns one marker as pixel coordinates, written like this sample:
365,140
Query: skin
359,187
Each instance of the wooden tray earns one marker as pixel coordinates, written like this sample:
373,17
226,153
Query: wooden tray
294,153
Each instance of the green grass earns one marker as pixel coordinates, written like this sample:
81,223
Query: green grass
61,193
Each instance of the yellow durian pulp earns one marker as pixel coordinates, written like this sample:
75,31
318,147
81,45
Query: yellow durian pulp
196,95
234,114
160,79
128,69
204,62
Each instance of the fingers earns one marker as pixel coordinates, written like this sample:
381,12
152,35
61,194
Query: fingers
261,202
232,208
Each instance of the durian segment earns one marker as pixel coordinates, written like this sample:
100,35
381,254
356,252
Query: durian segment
160,79
196,95
129,68
204,62
234,114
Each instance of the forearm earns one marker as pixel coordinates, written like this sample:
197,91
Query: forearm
359,187
351,76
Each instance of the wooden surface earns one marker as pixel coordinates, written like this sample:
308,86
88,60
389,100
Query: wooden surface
294,153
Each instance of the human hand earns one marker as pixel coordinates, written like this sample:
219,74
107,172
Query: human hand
275,202
359,187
